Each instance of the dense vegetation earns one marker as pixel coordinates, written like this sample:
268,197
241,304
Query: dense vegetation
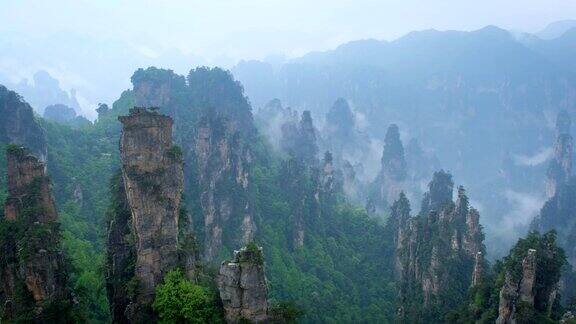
179,300
482,304
337,276
342,273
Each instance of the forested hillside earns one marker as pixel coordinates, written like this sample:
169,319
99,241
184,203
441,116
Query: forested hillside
338,274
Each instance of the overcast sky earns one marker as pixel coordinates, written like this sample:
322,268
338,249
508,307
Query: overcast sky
256,28
95,46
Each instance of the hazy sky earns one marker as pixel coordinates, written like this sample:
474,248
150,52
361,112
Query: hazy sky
95,46
255,28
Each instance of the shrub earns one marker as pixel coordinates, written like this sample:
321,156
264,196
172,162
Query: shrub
179,300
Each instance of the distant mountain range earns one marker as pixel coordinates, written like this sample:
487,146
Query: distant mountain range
478,99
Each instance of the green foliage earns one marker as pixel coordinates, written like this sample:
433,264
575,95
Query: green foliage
255,253
179,300
341,274
175,152
483,299
285,312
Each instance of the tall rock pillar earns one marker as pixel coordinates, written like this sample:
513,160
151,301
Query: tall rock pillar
153,180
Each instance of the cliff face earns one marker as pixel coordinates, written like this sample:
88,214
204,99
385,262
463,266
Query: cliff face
340,134
532,273
558,212
18,124
242,286
213,125
153,181
391,179
560,168
227,212
438,253
300,139
33,274
157,88
120,252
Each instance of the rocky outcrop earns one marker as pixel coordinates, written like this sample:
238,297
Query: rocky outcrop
532,273
340,134
33,273
153,180
222,158
513,292
328,177
439,192
120,253
390,181
350,184
213,124
63,114
242,286
439,253
271,117
157,88
300,140
559,210
560,168
307,143
478,271
59,113
18,124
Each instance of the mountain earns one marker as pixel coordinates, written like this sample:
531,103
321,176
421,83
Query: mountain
482,101
556,29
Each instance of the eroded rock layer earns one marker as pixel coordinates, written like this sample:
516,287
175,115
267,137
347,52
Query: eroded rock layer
153,180
242,286
439,254
33,274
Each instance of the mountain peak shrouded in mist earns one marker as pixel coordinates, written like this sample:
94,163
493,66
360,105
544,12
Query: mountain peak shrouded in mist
556,29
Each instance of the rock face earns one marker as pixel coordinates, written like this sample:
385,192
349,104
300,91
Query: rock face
153,180
439,253
59,113
558,212
300,140
222,159
64,115
340,134
391,179
522,290
156,88
560,168
32,264
242,286
120,252
18,124
478,271
213,124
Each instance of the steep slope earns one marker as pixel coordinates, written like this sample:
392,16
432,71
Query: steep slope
439,253
18,124
34,273
521,288
212,123
474,98
153,183
558,212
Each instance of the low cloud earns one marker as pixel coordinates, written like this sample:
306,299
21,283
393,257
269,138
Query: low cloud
540,157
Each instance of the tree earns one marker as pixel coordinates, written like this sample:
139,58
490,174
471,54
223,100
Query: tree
179,300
